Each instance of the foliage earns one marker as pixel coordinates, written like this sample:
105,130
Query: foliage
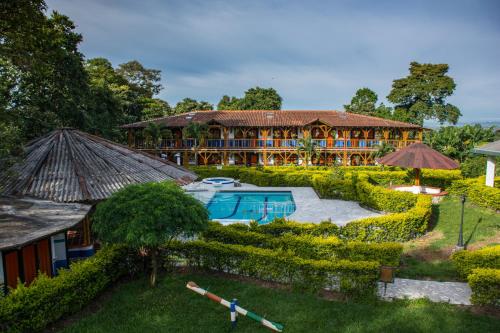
255,99
485,285
475,166
382,149
154,133
308,147
421,95
466,261
144,80
458,142
477,192
350,277
397,227
27,309
308,246
190,105
197,131
147,216
364,102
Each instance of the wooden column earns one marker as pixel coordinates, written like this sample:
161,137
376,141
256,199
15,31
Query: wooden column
420,135
265,133
130,138
405,137
386,134
185,159
225,133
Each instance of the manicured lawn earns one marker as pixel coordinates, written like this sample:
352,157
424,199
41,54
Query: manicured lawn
428,256
171,307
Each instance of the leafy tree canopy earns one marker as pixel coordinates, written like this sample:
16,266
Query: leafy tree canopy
365,102
422,95
149,216
458,142
189,105
255,99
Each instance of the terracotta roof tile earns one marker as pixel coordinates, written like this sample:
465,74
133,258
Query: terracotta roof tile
265,118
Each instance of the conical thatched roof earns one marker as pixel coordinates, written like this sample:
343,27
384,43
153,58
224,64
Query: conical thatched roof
419,156
68,165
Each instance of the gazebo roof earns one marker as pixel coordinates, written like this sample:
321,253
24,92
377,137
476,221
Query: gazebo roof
68,165
419,155
491,149
25,220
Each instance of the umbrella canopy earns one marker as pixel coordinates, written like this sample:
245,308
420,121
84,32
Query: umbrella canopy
419,156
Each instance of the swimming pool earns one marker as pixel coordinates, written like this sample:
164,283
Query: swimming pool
262,207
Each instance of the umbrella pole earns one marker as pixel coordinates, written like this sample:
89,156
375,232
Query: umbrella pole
417,176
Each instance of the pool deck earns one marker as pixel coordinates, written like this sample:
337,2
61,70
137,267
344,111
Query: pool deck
309,207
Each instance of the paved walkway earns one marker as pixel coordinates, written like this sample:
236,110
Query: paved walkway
309,207
449,292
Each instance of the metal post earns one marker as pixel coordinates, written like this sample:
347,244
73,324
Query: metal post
234,314
460,244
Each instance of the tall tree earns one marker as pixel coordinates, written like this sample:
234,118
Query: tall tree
51,85
255,99
422,95
189,105
145,81
365,102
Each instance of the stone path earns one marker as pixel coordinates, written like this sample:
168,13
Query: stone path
449,292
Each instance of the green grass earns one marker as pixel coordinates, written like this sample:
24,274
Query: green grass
171,307
428,257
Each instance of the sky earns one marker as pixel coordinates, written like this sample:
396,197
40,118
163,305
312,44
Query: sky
316,54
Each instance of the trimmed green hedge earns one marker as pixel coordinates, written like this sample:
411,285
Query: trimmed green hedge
308,246
355,278
399,227
485,285
477,192
48,299
466,261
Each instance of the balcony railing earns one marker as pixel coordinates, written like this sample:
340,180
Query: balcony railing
260,144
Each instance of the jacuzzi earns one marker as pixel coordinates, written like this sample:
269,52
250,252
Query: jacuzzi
219,181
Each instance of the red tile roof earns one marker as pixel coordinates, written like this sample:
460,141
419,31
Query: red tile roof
267,118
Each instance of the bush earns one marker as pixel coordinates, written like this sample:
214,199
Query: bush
352,278
308,246
485,285
399,227
48,299
477,192
439,178
466,261
381,198
281,226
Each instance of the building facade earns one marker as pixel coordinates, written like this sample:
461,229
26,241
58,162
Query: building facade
263,137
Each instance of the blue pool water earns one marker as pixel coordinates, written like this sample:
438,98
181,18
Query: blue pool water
262,207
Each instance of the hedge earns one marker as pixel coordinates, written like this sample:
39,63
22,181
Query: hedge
396,227
48,299
485,285
477,192
466,261
355,278
308,246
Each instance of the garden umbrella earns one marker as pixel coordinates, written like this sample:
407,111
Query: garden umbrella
419,156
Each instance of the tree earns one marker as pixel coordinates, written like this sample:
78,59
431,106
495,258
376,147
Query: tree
197,131
363,102
422,94
149,216
155,108
382,149
145,81
190,105
255,99
458,142
307,146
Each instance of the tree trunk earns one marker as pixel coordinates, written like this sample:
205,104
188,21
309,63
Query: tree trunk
154,268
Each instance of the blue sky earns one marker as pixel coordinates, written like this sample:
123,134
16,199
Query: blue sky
315,53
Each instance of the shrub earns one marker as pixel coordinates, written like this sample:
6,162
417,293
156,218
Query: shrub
466,261
281,226
477,192
399,227
439,178
381,198
328,186
48,299
308,246
353,278
485,285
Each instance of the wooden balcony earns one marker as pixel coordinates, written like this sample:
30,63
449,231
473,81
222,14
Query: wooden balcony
257,145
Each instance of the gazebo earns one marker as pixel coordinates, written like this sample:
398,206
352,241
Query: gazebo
419,156
492,151
71,166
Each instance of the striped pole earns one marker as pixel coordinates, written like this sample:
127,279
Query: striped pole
234,302
267,323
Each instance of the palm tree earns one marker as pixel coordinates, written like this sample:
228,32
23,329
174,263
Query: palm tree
152,135
382,149
308,146
197,131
